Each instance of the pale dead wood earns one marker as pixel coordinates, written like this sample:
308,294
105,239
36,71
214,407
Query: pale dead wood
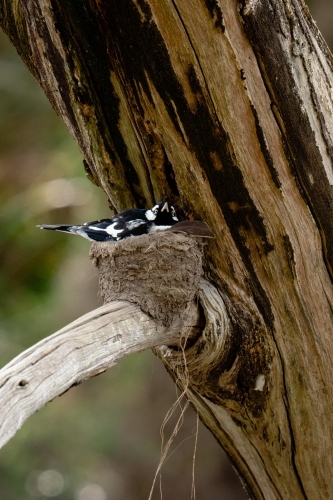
85,348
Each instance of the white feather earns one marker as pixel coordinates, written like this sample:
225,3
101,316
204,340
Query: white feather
134,223
150,214
112,231
96,228
155,228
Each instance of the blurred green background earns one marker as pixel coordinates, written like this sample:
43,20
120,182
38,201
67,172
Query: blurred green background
101,440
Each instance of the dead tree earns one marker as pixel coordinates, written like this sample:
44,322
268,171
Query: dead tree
225,109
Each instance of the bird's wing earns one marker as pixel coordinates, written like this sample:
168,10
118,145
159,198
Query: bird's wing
128,223
134,228
127,215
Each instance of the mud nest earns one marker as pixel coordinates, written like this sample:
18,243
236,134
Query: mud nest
160,272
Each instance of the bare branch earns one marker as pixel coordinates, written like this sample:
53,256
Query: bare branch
85,348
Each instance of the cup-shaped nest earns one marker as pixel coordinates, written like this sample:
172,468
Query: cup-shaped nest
160,272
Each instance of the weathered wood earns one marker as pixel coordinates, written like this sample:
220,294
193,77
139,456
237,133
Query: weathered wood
83,349
225,109
301,98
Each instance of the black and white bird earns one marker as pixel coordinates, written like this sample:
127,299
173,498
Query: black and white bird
132,222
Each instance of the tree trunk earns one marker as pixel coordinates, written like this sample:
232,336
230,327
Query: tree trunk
225,109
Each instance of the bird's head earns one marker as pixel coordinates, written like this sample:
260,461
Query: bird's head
162,214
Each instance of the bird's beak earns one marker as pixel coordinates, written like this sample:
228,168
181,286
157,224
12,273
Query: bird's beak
165,207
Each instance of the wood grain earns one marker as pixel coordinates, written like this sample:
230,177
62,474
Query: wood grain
83,349
225,108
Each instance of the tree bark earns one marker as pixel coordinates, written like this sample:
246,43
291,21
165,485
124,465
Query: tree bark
226,110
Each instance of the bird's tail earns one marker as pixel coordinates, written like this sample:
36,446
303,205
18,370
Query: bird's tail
56,227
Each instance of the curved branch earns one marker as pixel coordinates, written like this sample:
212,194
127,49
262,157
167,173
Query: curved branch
85,348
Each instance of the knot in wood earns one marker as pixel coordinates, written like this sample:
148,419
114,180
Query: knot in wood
160,272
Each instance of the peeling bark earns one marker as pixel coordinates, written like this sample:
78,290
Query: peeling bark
226,110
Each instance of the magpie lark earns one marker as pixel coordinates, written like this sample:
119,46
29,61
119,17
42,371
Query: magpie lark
132,222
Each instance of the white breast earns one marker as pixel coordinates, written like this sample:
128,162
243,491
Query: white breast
155,228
